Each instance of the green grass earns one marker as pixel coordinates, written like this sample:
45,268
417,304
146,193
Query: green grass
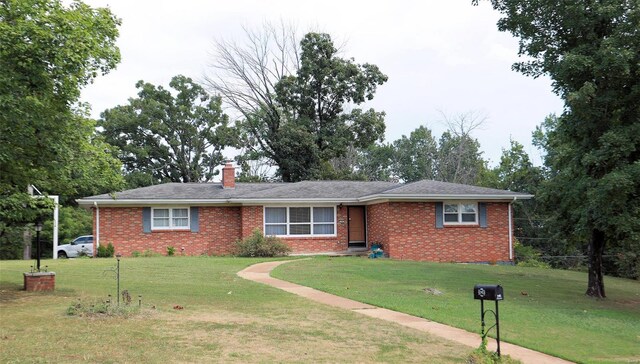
225,319
544,309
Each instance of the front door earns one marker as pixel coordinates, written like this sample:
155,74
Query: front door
357,232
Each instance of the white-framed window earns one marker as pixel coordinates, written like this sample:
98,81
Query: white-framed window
170,218
300,221
460,213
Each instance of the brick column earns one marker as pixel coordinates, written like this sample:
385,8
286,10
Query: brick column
39,281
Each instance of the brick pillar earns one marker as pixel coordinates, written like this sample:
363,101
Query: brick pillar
39,281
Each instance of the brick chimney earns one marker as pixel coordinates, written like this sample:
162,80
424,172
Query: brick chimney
229,176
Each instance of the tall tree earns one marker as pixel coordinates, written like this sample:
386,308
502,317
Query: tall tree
295,116
516,172
48,52
415,156
591,51
459,158
162,137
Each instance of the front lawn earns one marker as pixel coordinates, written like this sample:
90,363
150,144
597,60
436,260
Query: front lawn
544,309
220,318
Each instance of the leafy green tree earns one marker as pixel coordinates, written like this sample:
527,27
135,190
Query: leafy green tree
294,112
516,172
591,51
415,156
162,137
375,163
459,159
48,52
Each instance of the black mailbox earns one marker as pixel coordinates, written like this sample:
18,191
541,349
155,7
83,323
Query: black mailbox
489,292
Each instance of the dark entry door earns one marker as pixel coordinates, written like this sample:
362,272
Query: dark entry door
357,231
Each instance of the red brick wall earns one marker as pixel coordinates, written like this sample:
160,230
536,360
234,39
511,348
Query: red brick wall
407,230
253,217
219,228
377,225
412,234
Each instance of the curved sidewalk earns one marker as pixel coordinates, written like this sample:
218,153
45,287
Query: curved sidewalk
260,273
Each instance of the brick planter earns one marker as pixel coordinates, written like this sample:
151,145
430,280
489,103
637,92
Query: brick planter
39,281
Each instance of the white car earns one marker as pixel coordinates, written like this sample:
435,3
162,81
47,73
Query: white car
82,245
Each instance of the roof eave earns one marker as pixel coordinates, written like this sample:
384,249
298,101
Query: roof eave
440,197
275,200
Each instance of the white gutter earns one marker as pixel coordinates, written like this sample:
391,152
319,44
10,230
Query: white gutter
511,231
441,197
97,237
370,198
105,202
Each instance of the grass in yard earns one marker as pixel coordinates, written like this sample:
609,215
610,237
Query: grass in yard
225,319
544,309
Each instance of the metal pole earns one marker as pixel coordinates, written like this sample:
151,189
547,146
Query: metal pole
118,279
38,247
498,328
55,225
482,316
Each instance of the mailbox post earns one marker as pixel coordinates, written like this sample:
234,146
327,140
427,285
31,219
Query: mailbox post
491,293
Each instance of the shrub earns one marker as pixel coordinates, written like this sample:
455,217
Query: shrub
171,251
528,256
150,253
135,254
257,245
482,355
106,251
100,308
534,263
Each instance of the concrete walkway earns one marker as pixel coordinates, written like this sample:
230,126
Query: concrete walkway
260,273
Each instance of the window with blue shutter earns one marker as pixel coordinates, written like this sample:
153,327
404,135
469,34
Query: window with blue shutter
195,227
482,214
439,215
146,219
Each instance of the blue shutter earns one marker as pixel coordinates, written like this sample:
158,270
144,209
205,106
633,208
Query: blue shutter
482,214
439,216
194,220
146,219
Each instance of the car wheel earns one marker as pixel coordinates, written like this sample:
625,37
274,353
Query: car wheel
62,255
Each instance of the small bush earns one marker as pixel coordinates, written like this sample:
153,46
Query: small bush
135,254
257,245
171,251
534,263
106,251
150,253
528,256
482,355
101,309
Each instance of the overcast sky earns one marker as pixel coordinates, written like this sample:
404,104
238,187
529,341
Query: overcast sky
440,56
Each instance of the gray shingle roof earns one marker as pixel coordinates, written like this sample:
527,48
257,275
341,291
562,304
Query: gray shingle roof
308,190
445,188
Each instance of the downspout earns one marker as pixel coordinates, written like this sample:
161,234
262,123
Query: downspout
97,237
511,231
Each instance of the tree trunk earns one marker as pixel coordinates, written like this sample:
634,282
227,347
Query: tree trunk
595,287
26,244
26,235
